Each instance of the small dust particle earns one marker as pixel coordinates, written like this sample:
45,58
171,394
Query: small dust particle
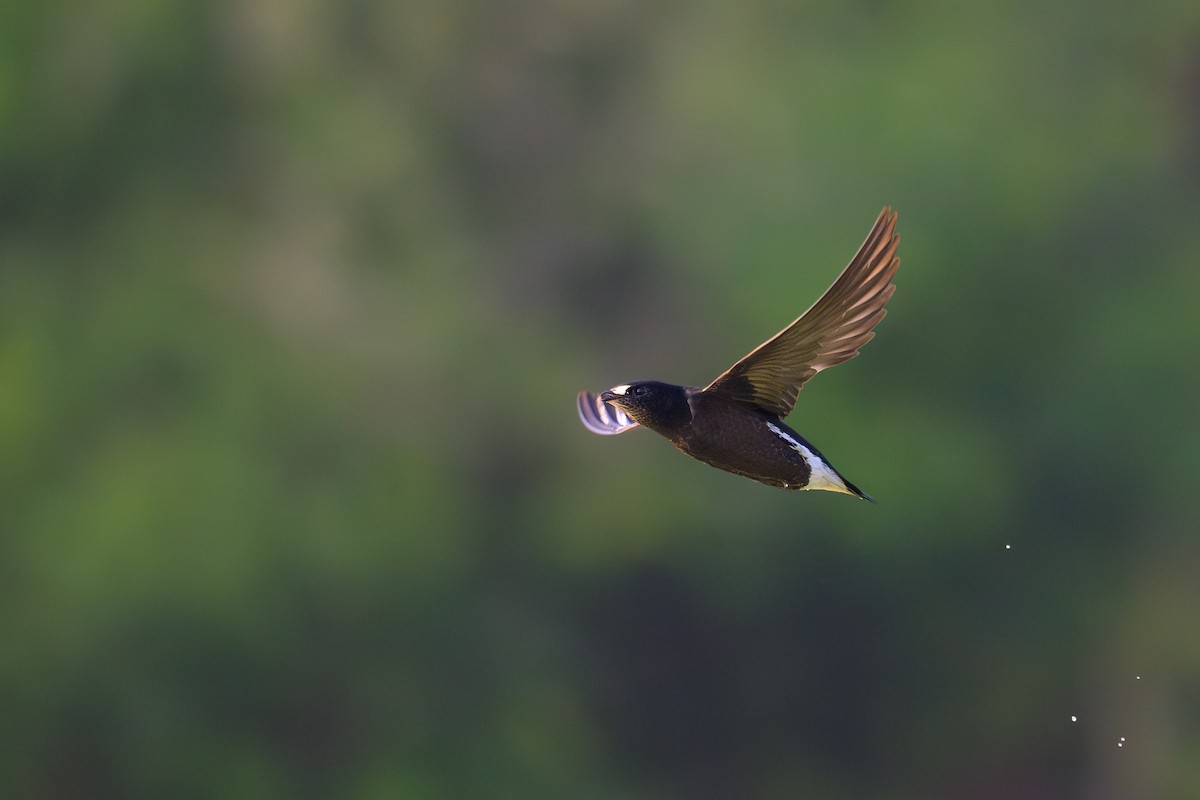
1074,718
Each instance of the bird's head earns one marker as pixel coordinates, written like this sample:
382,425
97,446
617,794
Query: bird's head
658,406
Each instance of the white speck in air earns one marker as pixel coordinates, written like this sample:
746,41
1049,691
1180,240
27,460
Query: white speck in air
1122,742
1074,718
1008,547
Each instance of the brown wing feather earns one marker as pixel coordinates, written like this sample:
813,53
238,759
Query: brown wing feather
828,334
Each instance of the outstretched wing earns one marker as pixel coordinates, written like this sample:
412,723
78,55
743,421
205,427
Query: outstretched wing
829,333
599,417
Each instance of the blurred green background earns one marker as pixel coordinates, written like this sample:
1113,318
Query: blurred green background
295,298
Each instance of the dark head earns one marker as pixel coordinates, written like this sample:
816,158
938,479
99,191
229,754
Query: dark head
658,406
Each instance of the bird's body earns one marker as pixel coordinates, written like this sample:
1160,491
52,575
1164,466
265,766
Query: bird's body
756,445
735,423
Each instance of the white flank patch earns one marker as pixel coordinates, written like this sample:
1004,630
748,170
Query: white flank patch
823,476
622,389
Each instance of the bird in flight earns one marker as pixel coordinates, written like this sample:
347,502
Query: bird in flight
736,422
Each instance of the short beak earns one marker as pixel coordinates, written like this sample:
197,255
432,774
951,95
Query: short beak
608,397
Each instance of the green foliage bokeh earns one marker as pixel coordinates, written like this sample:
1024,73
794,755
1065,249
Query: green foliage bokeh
295,300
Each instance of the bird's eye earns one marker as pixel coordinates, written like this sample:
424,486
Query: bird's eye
640,391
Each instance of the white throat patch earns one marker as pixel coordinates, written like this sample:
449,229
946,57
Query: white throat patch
822,475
